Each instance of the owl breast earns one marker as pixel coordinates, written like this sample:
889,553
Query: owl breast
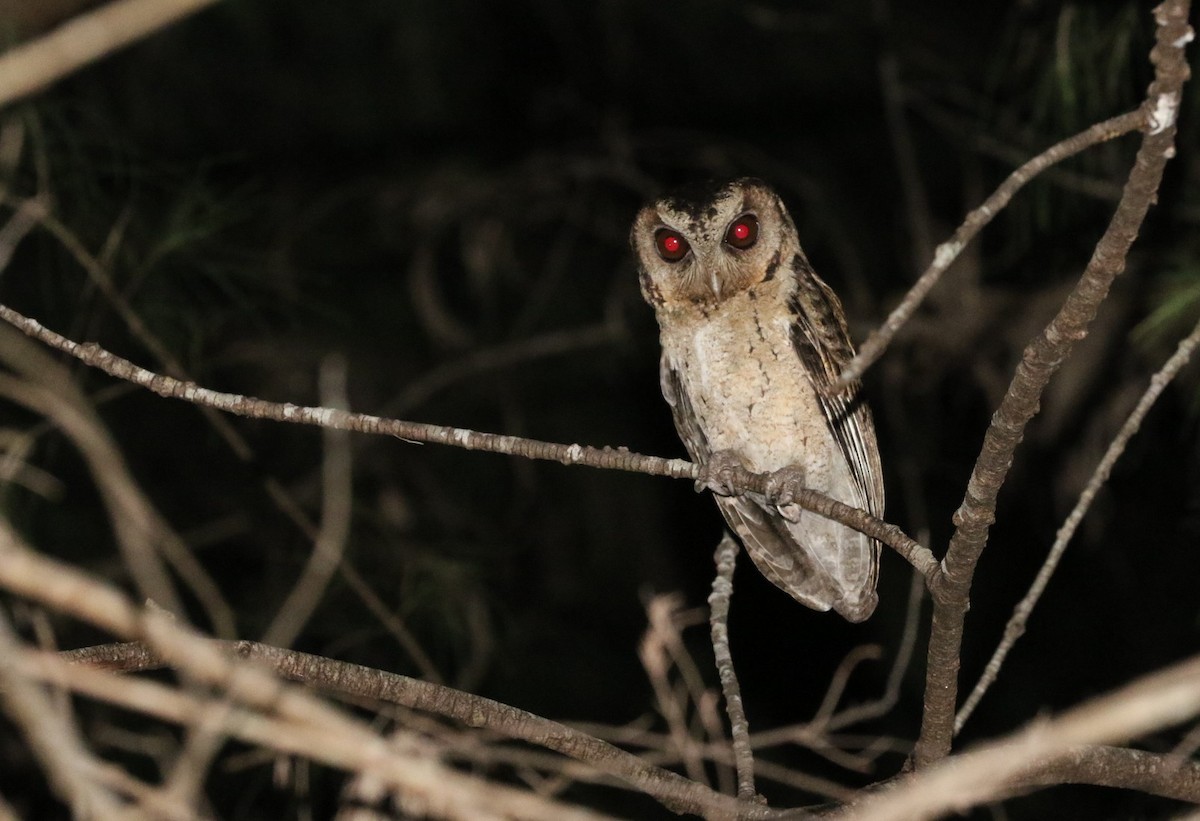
750,393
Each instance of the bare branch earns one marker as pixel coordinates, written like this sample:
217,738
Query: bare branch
948,251
403,762
32,66
166,386
1102,766
606,458
318,729
1016,625
52,736
1158,700
674,791
1041,359
718,602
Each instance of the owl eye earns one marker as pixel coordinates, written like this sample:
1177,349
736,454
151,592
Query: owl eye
743,233
671,245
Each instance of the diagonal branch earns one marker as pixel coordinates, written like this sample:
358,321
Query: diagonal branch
946,253
1161,699
29,67
1016,625
358,682
1041,359
62,587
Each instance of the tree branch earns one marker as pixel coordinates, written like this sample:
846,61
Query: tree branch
67,590
606,458
32,66
1048,749
725,557
1016,625
673,790
1041,359
946,253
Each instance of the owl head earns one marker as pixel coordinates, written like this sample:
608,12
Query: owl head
702,244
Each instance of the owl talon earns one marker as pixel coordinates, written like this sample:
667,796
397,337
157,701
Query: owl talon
719,473
782,486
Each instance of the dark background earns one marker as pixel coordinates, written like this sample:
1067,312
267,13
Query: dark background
442,193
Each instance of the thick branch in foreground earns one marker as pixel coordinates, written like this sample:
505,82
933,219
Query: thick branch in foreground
84,39
606,458
1053,748
673,790
1052,752
320,730
430,789
1041,359
339,739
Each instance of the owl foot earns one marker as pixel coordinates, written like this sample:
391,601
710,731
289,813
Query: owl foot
719,473
781,486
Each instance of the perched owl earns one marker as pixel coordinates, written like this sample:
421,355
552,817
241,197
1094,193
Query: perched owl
749,335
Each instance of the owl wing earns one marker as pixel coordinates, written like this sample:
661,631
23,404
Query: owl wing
767,536
686,423
822,342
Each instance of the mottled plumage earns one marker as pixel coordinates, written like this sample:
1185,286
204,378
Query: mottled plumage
749,335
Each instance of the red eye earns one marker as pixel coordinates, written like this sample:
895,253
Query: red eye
671,245
743,233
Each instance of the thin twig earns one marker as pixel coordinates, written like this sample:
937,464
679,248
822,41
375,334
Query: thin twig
946,253
718,602
839,680
32,66
1020,617
417,432
904,654
1042,357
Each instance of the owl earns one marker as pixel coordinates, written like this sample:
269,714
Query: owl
750,335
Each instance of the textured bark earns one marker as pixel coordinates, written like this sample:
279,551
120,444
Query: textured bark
672,790
1041,359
